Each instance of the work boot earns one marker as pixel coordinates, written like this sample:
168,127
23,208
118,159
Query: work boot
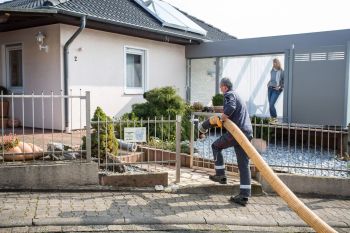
239,199
220,179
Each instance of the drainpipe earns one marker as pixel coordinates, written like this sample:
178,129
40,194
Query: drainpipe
65,69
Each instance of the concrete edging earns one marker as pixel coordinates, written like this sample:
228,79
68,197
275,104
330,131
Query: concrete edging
48,175
311,185
169,220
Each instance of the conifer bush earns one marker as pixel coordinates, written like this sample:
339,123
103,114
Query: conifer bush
102,137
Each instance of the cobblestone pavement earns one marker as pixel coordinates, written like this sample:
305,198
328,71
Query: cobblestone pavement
105,210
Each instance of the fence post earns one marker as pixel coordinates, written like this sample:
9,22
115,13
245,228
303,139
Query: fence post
348,142
88,127
192,141
178,148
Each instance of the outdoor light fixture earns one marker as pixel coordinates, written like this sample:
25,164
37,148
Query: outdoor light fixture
40,37
4,17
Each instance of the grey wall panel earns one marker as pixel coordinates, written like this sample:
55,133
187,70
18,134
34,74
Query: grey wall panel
318,87
347,86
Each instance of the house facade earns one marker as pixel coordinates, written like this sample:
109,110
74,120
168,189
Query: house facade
117,50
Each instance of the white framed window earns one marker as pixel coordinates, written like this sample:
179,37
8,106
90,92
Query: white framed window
14,67
135,70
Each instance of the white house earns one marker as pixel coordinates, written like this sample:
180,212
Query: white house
116,49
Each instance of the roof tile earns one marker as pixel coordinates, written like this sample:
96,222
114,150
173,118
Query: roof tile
125,12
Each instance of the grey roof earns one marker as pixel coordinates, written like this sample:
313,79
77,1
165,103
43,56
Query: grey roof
120,12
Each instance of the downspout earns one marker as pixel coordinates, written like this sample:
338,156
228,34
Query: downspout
65,69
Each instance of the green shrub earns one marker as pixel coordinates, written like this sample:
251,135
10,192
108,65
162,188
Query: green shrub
127,120
262,131
102,137
4,90
160,102
160,144
218,100
169,145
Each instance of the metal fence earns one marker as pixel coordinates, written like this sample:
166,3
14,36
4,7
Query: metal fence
293,148
33,127
143,145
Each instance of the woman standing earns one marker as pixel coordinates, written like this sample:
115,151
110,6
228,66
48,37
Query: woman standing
275,87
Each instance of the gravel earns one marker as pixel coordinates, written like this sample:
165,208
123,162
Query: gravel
288,159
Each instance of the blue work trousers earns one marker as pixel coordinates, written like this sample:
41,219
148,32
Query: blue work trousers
223,142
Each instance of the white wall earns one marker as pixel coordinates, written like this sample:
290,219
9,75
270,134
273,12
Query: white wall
41,73
99,68
203,81
250,75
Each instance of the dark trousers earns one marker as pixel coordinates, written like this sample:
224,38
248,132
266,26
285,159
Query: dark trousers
272,96
223,142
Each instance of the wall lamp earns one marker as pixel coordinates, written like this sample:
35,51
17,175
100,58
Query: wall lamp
4,17
40,37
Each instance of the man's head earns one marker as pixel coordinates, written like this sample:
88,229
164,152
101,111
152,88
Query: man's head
225,85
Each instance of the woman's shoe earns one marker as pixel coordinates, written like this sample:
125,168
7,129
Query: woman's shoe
273,120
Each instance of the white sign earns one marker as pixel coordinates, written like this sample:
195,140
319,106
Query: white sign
137,134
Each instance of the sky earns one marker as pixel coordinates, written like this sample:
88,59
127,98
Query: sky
259,18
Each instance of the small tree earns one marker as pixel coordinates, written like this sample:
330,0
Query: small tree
102,137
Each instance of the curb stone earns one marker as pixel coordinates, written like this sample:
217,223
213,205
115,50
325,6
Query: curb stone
16,223
175,228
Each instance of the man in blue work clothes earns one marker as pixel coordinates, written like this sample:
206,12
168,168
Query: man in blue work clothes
235,110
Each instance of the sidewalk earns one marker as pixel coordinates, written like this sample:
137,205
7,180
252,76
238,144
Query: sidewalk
146,211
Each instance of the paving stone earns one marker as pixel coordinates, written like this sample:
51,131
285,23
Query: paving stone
20,229
15,222
45,229
158,208
5,230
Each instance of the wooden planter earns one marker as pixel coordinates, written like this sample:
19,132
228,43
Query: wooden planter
218,109
155,155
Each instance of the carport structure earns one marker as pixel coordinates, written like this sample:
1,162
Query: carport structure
316,74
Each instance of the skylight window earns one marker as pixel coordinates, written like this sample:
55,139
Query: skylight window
170,16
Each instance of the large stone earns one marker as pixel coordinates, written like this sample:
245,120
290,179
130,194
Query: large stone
259,144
